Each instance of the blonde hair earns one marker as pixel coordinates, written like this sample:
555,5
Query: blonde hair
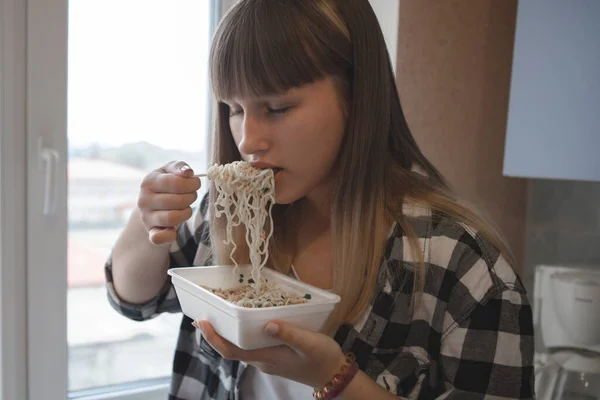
263,47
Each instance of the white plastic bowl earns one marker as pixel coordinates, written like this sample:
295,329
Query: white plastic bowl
244,326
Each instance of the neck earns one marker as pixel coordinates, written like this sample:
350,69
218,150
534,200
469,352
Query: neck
314,213
309,220
317,204
318,212
312,247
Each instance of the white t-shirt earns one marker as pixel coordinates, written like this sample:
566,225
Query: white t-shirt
256,385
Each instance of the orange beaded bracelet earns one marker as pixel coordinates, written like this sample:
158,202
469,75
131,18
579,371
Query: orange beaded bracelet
339,382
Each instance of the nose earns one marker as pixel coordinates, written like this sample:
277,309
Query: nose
254,136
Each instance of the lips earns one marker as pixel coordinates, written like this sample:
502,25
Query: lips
263,165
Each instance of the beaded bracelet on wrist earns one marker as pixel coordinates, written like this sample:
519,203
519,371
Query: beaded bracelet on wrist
339,382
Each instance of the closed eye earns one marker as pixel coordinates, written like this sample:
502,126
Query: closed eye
233,113
278,110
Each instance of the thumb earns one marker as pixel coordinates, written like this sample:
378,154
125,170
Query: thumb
296,338
179,168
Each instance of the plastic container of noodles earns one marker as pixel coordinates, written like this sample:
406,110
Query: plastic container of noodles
240,325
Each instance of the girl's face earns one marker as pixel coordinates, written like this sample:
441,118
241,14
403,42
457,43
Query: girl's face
298,133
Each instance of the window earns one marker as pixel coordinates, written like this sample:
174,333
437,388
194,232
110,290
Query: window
137,98
93,94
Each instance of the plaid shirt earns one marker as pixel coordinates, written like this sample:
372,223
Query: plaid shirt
470,337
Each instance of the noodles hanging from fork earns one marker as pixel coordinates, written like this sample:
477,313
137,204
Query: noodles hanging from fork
246,195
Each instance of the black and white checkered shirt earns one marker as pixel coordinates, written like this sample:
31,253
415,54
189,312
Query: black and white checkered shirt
471,336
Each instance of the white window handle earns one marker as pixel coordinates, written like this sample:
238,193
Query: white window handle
50,159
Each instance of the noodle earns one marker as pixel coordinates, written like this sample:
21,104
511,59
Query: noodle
269,296
246,195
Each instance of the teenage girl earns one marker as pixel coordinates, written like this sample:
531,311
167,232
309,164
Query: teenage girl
431,306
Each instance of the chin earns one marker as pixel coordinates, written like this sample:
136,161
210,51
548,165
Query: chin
284,200
284,197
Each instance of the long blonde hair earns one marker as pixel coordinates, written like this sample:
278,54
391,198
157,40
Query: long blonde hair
264,47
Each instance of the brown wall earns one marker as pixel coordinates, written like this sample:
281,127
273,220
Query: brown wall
454,62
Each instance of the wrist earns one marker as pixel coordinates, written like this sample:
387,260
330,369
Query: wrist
336,385
353,387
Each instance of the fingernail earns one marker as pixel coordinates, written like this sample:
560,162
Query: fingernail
184,168
271,328
195,325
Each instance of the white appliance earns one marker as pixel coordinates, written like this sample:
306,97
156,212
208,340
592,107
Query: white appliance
566,313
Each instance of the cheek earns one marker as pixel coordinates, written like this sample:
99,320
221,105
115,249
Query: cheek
319,131
234,133
237,138
328,136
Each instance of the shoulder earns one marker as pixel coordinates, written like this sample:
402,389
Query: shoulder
463,268
470,256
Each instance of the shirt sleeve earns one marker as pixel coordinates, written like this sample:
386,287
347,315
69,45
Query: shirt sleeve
192,247
490,354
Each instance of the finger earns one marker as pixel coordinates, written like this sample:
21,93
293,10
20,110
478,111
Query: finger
179,168
228,350
169,183
159,181
163,201
162,236
166,219
298,339
225,348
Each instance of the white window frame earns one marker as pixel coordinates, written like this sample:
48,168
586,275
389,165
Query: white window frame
33,348
13,345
